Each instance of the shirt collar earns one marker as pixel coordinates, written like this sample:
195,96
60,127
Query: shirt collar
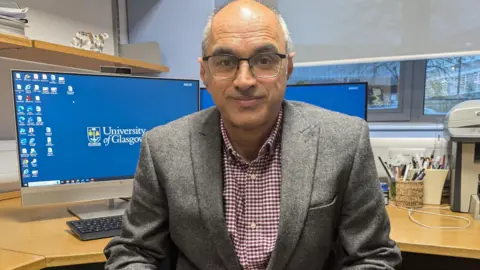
267,147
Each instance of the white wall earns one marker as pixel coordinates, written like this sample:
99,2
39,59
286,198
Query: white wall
58,21
177,26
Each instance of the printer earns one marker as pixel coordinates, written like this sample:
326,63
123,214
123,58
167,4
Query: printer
462,129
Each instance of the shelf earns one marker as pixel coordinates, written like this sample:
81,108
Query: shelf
55,54
12,42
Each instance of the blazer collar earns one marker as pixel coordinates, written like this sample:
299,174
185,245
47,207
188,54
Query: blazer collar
299,155
299,146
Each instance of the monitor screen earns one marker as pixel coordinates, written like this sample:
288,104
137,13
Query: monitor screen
76,128
347,98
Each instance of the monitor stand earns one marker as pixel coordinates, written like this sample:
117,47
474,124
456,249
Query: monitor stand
107,208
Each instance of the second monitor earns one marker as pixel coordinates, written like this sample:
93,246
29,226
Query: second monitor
347,98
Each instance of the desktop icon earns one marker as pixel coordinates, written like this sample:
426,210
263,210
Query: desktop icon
29,109
28,87
19,97
61,79
70,90
23,141
28,98
36,87
18,76
34,173
48,130
33,151
37,98
53,90
24,151
30,121
23,131
25,162
26,172
21,120
35,76
32,142
45,90
38,109
26,77
31,131
19,87
34,162
52,77
20,108
49,140
44,77
39,119
50,151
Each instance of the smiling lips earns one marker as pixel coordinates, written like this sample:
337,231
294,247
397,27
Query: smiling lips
246,102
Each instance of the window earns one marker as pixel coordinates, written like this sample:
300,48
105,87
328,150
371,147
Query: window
388,95
449,81
383,80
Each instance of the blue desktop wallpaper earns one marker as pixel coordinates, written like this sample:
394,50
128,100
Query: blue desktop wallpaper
73,126
349,98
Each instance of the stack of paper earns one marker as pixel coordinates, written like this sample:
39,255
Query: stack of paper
12,19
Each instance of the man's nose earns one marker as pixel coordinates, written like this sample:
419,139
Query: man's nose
245,79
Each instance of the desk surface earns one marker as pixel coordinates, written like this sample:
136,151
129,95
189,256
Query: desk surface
411,237
42,231
10,260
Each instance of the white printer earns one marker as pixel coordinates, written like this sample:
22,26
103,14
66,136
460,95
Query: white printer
462,128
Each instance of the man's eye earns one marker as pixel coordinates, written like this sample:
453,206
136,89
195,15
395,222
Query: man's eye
265,60
224,62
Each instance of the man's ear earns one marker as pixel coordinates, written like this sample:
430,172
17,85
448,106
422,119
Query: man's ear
203,71
290,64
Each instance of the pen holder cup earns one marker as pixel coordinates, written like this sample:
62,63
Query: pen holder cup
433,186
409,194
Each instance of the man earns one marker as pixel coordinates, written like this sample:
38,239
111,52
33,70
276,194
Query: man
257,182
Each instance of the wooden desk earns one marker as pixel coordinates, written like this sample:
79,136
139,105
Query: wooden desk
411,237
42,231
10,260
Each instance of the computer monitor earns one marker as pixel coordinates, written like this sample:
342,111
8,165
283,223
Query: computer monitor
79,135
347,98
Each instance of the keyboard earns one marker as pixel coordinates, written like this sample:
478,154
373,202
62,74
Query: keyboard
96,228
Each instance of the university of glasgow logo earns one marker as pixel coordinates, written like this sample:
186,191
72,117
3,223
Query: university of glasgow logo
94,136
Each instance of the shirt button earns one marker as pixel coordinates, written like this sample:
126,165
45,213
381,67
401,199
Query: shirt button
253,225
253,177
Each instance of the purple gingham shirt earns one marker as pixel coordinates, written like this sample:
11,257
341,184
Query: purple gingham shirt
252,199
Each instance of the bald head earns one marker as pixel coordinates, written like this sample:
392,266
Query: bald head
241,16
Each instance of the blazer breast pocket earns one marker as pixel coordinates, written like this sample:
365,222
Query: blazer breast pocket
318,231
323,205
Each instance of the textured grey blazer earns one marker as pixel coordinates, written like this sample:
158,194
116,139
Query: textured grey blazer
332,211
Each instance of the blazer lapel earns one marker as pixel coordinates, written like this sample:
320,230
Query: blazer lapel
299,152
207,165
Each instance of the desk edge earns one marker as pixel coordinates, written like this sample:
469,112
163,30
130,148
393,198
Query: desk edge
439,250
65,260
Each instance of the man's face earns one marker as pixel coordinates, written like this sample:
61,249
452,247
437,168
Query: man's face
247,101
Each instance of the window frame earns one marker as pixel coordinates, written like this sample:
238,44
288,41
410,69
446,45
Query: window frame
403,112
418,95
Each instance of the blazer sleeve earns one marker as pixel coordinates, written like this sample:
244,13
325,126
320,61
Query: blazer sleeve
364,229
144,241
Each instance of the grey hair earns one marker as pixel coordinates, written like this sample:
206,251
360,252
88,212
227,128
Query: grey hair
208,29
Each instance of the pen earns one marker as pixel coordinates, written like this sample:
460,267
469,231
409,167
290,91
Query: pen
385,168
406,173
